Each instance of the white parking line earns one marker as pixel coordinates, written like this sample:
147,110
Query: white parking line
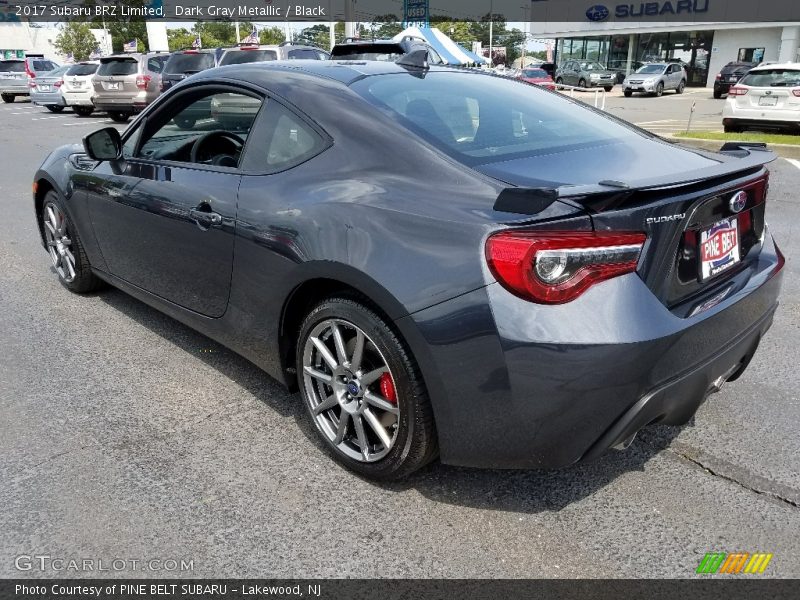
793,161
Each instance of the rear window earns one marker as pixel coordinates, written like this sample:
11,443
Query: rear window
14,66
651,69
43,65
239,57
535,73
385,52
185,63
119,66
479,119
82,70
772,78
303,54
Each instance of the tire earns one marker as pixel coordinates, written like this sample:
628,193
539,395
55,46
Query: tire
9,98
681,87
628,93
83,111
717,95
55,108
608,88
184,122
659,90
79,279
118,117
413,443
559,83
582,83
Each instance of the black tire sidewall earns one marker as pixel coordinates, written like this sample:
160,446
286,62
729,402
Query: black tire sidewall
407,382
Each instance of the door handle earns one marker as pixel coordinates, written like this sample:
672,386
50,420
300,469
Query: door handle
205,217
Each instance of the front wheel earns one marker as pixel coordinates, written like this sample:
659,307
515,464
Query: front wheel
7,97
364,391
608,88
582,83
83,111
628,93
56,108
681,87
118,117
65,248
659,90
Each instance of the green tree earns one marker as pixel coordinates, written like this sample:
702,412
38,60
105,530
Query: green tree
271,35
318,35
76,39
385,27
179,38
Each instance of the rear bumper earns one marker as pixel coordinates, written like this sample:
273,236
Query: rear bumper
123,104
758,121
78,98
17,90
519,385
47,98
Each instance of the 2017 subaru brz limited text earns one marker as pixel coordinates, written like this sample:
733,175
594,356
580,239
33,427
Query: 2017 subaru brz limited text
443,262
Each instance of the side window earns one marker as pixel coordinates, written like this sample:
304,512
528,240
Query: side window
208,128
292,141
155,64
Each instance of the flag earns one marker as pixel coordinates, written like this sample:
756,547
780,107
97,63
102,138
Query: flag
252,38
197,43
96,53
130,46
70,57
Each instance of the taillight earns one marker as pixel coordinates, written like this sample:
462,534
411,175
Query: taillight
142,81
558,266
737,91
58,83
28,72
719,76
796,92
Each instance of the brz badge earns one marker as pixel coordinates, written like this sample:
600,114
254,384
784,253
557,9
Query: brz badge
738,201
665,218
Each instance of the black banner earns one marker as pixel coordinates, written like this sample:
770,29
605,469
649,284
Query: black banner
403,589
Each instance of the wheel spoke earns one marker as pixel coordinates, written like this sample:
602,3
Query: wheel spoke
362,436
50,227
324,352
358,351
340,431
373,376
69,264
379,401
318,374
338,342
53,220
327,404
376,426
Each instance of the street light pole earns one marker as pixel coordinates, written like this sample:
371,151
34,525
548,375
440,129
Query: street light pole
491,31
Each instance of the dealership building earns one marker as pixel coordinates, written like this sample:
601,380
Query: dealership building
702,34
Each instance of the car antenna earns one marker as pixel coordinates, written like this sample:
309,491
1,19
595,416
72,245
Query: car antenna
417,59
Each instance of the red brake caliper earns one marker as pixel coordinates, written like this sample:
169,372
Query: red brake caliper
387,388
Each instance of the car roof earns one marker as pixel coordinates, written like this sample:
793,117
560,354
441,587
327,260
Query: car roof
786,65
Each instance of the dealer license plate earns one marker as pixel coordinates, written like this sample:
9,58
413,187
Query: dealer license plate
112,86
719,248
44,88
767,101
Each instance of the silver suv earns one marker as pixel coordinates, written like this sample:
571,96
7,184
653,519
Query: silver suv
18,75
126,83
248,53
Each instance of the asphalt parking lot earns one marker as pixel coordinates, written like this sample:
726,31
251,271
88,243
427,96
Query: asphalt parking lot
126,435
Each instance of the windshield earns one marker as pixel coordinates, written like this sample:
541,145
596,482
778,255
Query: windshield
535,73
238,57
82,70
185,62
592,66
772,78
479,119
652,69
14,66
118,66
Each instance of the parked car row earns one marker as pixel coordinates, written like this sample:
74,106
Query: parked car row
124,84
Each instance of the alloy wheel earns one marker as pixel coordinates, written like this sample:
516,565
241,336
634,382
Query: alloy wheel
59,244
350,390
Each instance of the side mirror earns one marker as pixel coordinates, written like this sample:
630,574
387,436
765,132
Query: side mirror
103,144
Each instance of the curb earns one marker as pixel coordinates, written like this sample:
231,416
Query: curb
782,150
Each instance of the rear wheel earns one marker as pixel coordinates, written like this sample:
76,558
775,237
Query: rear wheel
733,128
628,93
56,108
659,90
364,391
7,97
118,117
582,83
66,250
681,87
608,88
717,94
83,111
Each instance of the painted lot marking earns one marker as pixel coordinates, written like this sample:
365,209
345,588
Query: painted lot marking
793,161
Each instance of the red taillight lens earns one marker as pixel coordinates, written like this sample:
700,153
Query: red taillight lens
719,76
58,83
558,266
796,92
28,72
142,81
737,91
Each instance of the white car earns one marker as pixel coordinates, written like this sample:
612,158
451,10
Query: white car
77,88
768,96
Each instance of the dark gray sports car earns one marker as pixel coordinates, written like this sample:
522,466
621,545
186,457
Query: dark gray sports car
443,262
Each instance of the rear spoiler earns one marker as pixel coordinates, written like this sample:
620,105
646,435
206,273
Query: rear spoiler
743,157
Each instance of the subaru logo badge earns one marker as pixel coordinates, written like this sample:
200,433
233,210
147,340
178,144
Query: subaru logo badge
353,388
598,12
737,201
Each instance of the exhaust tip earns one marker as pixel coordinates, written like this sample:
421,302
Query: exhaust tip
624,444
